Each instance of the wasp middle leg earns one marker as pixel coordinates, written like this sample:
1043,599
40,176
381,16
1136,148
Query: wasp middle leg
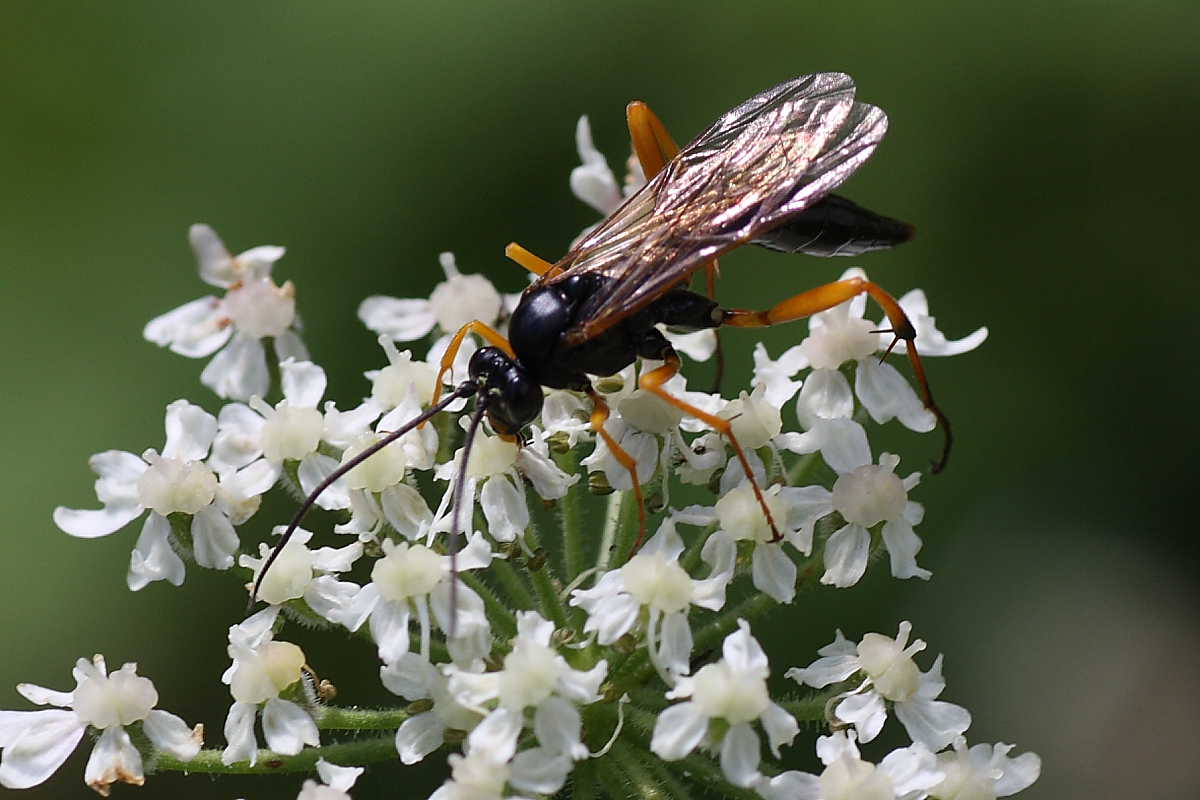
653,381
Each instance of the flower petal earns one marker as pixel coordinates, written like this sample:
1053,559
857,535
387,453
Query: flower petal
190,431
402,319
865,712
846,556
194,330
558,727
113,759
172,735
153,558
36,743
303,383
288,727
678,730
336,777
740,754
389,629
774,573
215,262
781,727
214,541
888,395
539,770
504,506
239,371
902,546
933,723
418,736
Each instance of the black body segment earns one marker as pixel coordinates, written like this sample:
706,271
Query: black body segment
836,227
547,312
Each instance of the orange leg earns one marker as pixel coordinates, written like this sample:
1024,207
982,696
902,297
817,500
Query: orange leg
653,382
536,265
654,147
600,414
651,142
826,297
476,327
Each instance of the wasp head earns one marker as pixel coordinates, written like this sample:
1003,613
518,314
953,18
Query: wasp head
514,398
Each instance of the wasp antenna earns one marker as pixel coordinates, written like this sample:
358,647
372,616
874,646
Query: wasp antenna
465,390
454,544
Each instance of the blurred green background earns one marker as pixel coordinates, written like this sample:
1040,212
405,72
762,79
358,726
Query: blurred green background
1042,149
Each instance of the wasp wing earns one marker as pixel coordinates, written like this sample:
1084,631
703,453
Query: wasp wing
762,162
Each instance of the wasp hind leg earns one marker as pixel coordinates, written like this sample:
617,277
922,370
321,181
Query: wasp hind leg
823,298
653,382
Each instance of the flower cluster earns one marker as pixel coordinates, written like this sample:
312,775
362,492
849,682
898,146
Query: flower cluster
537,662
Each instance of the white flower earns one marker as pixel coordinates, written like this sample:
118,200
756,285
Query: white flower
36,743
292,431
930,341
453,303
888,673
499,464
592,181
740,518
261,669
654,581
533,676
490,762
335,782
403,382
414,678
177,481
905,774
253,309
408,580
311,574
865,497
733,690
984,772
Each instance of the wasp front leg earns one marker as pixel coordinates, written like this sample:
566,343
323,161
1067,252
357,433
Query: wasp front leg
823,298
478,328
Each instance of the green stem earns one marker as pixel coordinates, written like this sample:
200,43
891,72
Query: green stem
544,584
811,708
584,781
510,581
337,718
571,519
361,751
612,521
645,781
803,466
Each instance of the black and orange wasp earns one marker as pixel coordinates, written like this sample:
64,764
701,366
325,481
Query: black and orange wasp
762,174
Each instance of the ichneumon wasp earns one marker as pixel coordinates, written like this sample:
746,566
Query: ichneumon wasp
762,174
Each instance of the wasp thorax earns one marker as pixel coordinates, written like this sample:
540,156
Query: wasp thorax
514,399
